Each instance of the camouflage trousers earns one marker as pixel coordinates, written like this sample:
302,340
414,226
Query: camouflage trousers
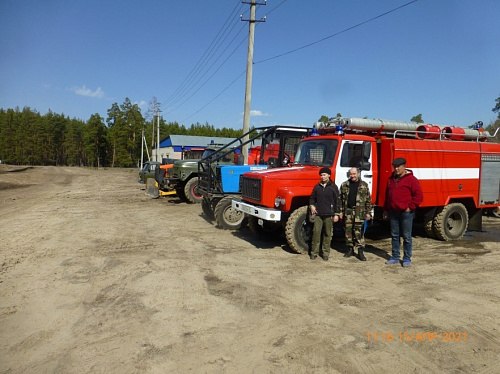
353,230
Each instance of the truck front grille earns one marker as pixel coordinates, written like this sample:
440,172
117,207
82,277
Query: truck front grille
251,188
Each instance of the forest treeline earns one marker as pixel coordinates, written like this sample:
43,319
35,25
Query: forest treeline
30,138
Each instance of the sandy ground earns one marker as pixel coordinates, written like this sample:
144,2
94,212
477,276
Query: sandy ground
95,277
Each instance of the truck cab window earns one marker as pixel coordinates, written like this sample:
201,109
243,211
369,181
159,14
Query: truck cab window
352,155
320,152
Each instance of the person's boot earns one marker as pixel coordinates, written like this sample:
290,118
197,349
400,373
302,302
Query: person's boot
361,255
350,252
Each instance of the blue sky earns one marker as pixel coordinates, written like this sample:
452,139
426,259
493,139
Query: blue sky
440,58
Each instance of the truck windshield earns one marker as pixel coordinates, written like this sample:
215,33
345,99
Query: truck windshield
207,153
320,152
227,152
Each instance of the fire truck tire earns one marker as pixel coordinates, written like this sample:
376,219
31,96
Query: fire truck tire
451,222
429,227
496,212
190,191
226,217
206,207
267,230
298,230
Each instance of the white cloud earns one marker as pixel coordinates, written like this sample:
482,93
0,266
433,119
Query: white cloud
84,91
257,113
142,104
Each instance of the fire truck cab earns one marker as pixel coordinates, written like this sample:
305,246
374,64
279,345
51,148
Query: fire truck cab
458,170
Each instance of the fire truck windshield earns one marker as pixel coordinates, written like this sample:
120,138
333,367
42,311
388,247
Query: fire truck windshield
317,151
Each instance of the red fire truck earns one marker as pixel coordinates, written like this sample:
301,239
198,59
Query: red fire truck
458,170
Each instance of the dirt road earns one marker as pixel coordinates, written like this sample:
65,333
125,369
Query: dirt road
97,278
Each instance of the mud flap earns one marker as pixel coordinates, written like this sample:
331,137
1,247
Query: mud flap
152,188
475,219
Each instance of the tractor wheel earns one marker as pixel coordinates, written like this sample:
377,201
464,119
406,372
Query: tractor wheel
190,190
429,227
226,216
451,222
299,230
206,207
267,230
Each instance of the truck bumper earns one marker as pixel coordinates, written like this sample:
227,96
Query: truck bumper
266,214
171,182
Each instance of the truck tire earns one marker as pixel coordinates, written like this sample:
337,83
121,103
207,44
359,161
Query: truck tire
496,212
226,216
206,207
298,230
451,222
190,191
429,227
267,230
179,191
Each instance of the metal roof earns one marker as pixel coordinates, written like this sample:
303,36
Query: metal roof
188,141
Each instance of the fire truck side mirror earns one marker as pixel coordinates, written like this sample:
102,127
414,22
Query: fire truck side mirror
367,149
364,165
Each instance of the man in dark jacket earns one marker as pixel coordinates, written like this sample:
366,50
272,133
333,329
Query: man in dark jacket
403,196
324,207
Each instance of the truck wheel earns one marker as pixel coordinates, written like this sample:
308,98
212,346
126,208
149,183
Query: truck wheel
298,230
190,191
451,222
429,227
226,216
267,230
179,191
206,207
496,212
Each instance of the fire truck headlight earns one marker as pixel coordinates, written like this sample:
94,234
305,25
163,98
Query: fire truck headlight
279,201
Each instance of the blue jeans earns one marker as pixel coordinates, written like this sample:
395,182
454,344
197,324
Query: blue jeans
401,225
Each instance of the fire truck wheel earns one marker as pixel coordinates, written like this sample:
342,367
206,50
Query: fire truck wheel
451,222
429,227
496,212
190,191
228,218
267,230
298,230
206,207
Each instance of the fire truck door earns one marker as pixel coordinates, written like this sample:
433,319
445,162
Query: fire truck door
354,154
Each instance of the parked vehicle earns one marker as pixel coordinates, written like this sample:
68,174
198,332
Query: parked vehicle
458,170
149,169
183,176
219,183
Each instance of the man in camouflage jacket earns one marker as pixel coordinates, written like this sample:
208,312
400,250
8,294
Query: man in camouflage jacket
355,208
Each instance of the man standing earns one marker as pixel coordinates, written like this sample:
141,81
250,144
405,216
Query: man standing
355,207
323,205
403,196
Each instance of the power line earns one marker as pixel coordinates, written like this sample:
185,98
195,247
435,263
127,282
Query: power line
181,93
208,79
220,93
296,49
337,33
206,55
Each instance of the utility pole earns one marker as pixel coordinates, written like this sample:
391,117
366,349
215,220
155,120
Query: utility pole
248,86
152,137
142,145
158,134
